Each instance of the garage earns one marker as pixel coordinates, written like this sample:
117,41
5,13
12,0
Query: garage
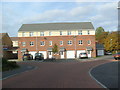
100,49
79,51
100,52
32,53
44,53
70,54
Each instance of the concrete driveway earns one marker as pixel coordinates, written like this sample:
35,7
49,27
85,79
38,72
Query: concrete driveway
56,75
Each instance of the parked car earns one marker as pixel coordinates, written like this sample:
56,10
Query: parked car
108,53
39,56
27,57
117,56
83,55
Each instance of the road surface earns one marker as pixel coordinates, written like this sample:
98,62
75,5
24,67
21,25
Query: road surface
73,74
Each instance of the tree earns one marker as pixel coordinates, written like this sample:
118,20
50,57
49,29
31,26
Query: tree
102,37
98,32
55,49
112,42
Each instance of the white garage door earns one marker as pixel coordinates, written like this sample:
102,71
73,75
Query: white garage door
100,52
79,51
33,53
44,53
70,54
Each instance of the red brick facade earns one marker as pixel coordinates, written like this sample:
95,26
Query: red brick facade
56,40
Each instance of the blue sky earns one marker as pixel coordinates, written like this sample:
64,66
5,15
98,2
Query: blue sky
14,14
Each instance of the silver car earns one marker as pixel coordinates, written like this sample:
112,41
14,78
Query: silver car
83,55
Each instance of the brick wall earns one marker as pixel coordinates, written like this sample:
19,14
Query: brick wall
56,40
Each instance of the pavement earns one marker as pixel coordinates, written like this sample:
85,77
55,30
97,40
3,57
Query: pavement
107,74
65,74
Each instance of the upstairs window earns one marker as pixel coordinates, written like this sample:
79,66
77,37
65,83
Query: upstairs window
23,43
60,32
89,42
42,43
69,42
23,34
69,32
80,42
31,43
80,32
61,42
88,32
31,34
50,33
41,33
50,43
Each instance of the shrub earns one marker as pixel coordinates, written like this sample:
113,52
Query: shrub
7,65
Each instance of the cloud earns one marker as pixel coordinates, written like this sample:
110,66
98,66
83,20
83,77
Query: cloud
101,14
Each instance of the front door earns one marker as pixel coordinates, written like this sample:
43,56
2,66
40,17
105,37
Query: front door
62,55
89,54
50,54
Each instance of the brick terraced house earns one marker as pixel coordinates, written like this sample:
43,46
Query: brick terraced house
71,39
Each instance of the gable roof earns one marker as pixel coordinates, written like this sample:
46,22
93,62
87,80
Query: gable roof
56,26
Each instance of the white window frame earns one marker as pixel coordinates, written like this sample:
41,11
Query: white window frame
80,42
50,43
41,33
89,42
69,42
80,32
31,43
61,42
88,32
23,34
23,43
30,34
50,33
68,32
60,32
42,43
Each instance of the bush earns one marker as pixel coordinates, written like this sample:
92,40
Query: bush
7,65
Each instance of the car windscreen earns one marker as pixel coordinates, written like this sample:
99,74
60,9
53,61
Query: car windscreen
38,54
83,53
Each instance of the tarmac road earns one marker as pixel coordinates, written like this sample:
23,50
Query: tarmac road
107,74
56,75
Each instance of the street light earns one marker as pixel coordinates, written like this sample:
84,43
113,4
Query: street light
111,44
75,45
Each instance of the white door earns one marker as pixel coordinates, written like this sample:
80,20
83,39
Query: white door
70,54
32,53
100,52
44,53
62,55
89,54
80,51
49,54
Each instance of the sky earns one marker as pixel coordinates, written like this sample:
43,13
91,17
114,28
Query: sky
14,14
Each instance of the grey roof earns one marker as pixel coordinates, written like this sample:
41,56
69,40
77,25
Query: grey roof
99,46
56,26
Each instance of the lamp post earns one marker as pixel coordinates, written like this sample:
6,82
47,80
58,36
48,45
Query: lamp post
111,44
36,43
75,45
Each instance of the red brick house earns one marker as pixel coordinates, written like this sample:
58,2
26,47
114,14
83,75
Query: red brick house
71,39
